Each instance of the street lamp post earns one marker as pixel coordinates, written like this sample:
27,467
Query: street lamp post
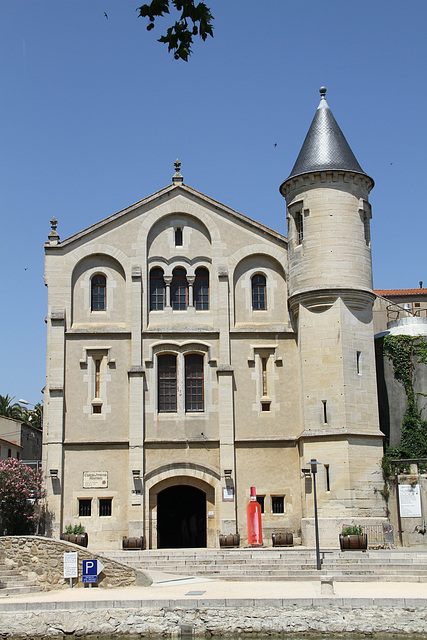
313,465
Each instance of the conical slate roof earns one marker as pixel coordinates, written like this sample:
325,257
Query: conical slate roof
325,147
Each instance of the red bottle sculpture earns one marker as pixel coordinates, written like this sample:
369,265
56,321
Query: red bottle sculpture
254,521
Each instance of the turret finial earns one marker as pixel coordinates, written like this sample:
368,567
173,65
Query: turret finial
177,178
322,91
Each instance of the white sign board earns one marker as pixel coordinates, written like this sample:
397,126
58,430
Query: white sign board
70,565
95,479
410,501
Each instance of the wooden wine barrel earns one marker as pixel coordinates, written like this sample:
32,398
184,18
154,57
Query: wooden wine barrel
133,543
232,540
81,539
354,543
282,539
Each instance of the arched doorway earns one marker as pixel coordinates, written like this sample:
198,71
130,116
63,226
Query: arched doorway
181,517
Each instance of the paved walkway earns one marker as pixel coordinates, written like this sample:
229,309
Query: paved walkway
168,590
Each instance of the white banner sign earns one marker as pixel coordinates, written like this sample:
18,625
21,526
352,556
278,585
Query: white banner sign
410,501
70,565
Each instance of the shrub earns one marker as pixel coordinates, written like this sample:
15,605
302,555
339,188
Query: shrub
77,529
20,491
352,530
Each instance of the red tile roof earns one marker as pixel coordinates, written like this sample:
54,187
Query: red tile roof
400,292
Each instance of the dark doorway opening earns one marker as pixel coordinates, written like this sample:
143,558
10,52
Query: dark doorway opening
181,518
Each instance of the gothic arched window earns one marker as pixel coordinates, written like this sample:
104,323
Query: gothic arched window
259,293
201,289
157,289
99,292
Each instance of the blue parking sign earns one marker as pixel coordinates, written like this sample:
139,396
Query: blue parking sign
90,568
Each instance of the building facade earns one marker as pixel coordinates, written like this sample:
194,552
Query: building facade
193,353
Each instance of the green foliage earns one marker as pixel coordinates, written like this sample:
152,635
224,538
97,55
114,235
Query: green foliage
404,352
195,19
20,491
352,530
33,417
10,409
77,529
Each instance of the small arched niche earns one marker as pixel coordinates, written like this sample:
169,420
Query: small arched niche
178,234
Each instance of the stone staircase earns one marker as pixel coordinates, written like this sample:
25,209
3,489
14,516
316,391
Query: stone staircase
13,582
394,565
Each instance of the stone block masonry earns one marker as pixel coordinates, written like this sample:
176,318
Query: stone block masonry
41,559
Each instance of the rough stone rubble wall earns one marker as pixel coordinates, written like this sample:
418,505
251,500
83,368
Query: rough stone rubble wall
41,559
99,618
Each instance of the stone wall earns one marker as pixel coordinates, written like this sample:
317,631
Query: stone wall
225,618
41,559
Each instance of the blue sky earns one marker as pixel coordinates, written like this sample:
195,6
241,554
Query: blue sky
94,112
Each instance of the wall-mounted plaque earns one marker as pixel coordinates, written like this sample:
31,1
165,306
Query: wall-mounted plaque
95,479
410,502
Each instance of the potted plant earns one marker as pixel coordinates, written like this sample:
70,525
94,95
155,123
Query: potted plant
75,534
353,538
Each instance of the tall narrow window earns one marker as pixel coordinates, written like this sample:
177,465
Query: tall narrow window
157,289
264,376
99,293
194,383
325,412
179,290
366,230
359,362
178,237
259,297
299,226
166,386
327,479
201,289
96,404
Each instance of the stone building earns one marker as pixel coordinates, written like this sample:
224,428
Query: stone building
193,353
28,439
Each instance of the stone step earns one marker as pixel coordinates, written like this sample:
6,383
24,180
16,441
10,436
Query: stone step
15,591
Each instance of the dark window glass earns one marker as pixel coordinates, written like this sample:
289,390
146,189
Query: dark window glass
277,504
178,237
105,507
193,383
9,453
179,290
17,455
201,289
166,383
99,293
259,298
157,290
260,500
85,507
299,224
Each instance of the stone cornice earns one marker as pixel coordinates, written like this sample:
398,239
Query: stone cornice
322,298
321,179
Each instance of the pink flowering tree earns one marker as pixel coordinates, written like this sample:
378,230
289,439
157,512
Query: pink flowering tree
20,491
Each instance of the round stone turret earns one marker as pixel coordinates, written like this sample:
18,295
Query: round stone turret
329,213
